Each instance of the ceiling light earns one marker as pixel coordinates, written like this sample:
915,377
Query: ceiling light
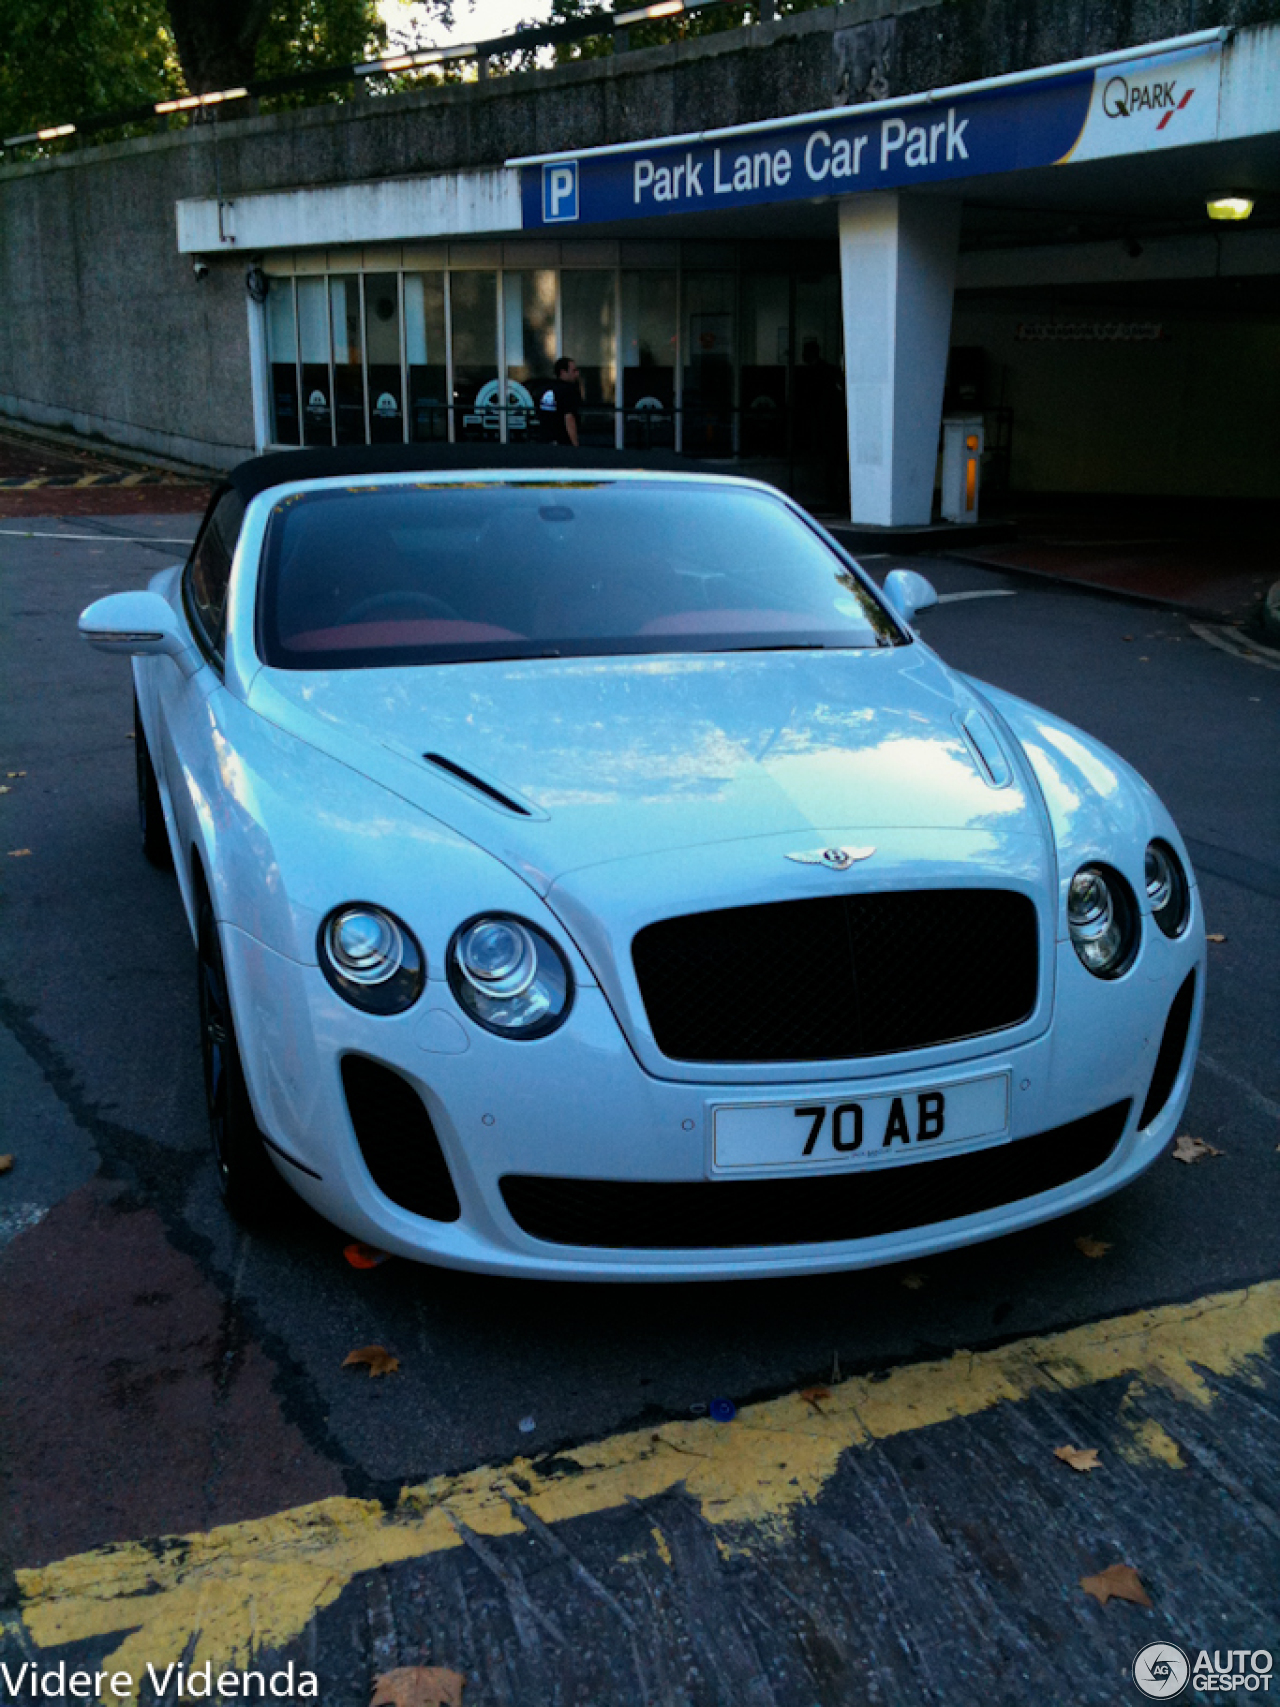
1229,207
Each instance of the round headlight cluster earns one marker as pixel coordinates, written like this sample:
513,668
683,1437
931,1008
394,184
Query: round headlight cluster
509,976
1167,891
1102,920
371,959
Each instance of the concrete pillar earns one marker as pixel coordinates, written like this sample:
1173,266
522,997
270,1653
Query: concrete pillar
897,280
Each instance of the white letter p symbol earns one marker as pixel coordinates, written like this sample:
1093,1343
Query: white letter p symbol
560,191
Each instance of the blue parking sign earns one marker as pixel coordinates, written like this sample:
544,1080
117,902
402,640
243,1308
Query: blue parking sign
559,192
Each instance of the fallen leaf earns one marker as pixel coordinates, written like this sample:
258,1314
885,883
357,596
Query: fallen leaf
812,1395
1126,637
418,1686
1189,1149
378,1358
12,774
5,789
1144,660
6,1162
131,736
1215,936
19,853
1079,1457
1117,1582
1091,1247
914,1280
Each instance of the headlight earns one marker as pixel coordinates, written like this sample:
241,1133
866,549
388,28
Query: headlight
1167,892
509,976
1103,920
371,959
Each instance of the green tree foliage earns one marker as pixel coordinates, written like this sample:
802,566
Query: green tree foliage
63,59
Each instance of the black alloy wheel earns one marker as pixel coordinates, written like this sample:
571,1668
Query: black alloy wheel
155,838
251,1188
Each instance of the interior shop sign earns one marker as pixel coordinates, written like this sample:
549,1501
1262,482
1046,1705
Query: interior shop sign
1165,100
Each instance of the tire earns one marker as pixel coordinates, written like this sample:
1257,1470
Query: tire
155,838
251,1188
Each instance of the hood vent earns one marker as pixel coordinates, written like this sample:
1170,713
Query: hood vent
507,801
985,749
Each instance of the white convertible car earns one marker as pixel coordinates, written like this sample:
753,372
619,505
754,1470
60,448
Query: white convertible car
593,875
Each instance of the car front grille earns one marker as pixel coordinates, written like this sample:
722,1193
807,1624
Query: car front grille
723,1214
840,976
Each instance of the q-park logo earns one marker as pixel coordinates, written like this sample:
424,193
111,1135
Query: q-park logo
1161,1670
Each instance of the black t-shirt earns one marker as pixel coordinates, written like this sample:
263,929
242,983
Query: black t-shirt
557,399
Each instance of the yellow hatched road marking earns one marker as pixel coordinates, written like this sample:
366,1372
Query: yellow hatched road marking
257,1584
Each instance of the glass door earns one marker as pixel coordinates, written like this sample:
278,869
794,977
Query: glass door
313,350
382,334
649,359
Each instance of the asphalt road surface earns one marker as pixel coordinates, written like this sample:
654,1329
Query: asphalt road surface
166,1373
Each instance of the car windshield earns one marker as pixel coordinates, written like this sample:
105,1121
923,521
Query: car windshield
443,573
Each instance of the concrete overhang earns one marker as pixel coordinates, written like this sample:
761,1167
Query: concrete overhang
451,204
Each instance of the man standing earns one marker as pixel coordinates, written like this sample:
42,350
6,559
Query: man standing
561,404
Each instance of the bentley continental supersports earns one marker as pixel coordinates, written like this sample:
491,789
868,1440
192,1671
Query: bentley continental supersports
593,874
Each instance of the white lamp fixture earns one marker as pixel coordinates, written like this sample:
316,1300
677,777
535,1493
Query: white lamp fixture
1229,207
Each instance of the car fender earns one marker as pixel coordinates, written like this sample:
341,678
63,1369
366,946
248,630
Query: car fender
1099,806
286,833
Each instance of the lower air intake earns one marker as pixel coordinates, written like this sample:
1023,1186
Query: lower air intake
398,1141
720,1214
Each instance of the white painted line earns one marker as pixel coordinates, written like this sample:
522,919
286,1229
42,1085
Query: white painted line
984,593
1237,645
96,538
1251,1093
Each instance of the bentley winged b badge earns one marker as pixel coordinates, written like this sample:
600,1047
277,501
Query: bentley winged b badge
835,859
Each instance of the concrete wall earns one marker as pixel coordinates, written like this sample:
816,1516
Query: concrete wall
103,327
1192,414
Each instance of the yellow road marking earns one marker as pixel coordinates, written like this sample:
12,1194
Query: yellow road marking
257,1584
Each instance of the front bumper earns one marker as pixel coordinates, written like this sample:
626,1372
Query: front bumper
578,1106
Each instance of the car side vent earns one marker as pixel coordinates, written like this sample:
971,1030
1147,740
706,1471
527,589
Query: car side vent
1173,1046
398,1141
478,783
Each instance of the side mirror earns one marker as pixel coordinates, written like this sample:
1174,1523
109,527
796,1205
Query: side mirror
909,592
132,623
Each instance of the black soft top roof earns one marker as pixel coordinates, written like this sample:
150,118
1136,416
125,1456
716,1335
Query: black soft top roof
261,472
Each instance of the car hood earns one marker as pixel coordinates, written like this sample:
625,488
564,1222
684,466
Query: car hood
604,759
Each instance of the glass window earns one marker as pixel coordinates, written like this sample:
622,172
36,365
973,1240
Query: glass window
282,358
649,359
313,347
820,432
382,331
348,374
708,372
473,303
398,574
766,357
424,356
208,570
587,335
529,331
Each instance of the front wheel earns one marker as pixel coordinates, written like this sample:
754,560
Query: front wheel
251,1188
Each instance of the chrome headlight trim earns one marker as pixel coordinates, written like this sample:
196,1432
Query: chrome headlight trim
1102,920
371,958
509,976
1168,892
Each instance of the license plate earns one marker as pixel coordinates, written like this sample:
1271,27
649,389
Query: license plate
863,1130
